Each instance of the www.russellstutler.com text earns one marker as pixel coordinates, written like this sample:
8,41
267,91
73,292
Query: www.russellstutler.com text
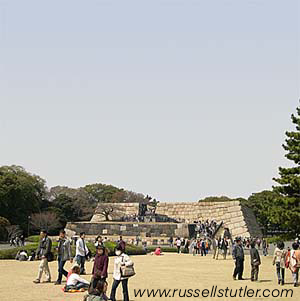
214,292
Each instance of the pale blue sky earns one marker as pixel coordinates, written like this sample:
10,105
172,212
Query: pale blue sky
176,99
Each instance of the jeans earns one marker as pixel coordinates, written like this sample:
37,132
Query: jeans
81,261
296,276
254,272
125,289
239,268
61,270
280,272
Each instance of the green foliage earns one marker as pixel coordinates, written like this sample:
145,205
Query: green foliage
21,194
216,199
289,179
11,253
268,209
33,238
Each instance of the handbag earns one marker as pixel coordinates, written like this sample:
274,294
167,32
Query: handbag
127,270
50,257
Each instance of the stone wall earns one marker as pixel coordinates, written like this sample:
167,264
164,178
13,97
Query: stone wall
240,221
144,230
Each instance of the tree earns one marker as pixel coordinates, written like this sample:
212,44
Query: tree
289,179
45,220
4,222
21,194
267,208
110,211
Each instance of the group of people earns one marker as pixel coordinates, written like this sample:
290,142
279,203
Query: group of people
282,258
17,241
260,243
97,287
221,246
206,228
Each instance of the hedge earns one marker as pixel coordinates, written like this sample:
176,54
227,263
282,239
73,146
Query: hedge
11,253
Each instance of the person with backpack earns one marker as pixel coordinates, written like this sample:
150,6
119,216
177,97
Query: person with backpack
121,260
44,251
279,259
294,262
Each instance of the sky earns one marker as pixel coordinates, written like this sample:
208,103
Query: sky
177,99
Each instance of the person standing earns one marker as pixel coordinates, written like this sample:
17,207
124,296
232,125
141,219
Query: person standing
121,259
238,257
224,247
81,252
255,261
215,247
178,244
43,251
100,263
279,259
265,247
64,254
294,262
122,244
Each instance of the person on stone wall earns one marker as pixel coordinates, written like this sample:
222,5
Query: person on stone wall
238,257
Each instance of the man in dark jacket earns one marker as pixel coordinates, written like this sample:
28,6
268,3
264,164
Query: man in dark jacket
238,257
43,251
255,262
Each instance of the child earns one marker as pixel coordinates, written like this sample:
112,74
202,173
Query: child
98,293
279,259
75,282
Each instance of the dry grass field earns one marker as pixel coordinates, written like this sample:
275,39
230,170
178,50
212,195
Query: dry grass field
170,271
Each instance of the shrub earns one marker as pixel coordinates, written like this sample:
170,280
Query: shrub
11,253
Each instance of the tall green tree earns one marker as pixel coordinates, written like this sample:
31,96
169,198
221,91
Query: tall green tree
289,180
21,194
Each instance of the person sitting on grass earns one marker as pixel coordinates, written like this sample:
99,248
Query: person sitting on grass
98,293
157,252
75,282
22,255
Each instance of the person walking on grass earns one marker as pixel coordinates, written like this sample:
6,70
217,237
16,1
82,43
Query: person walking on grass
255,261
64,254
121,259
279,259
294,262
81,252
43,251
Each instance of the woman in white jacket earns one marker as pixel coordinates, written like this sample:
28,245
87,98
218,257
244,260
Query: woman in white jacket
120,259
